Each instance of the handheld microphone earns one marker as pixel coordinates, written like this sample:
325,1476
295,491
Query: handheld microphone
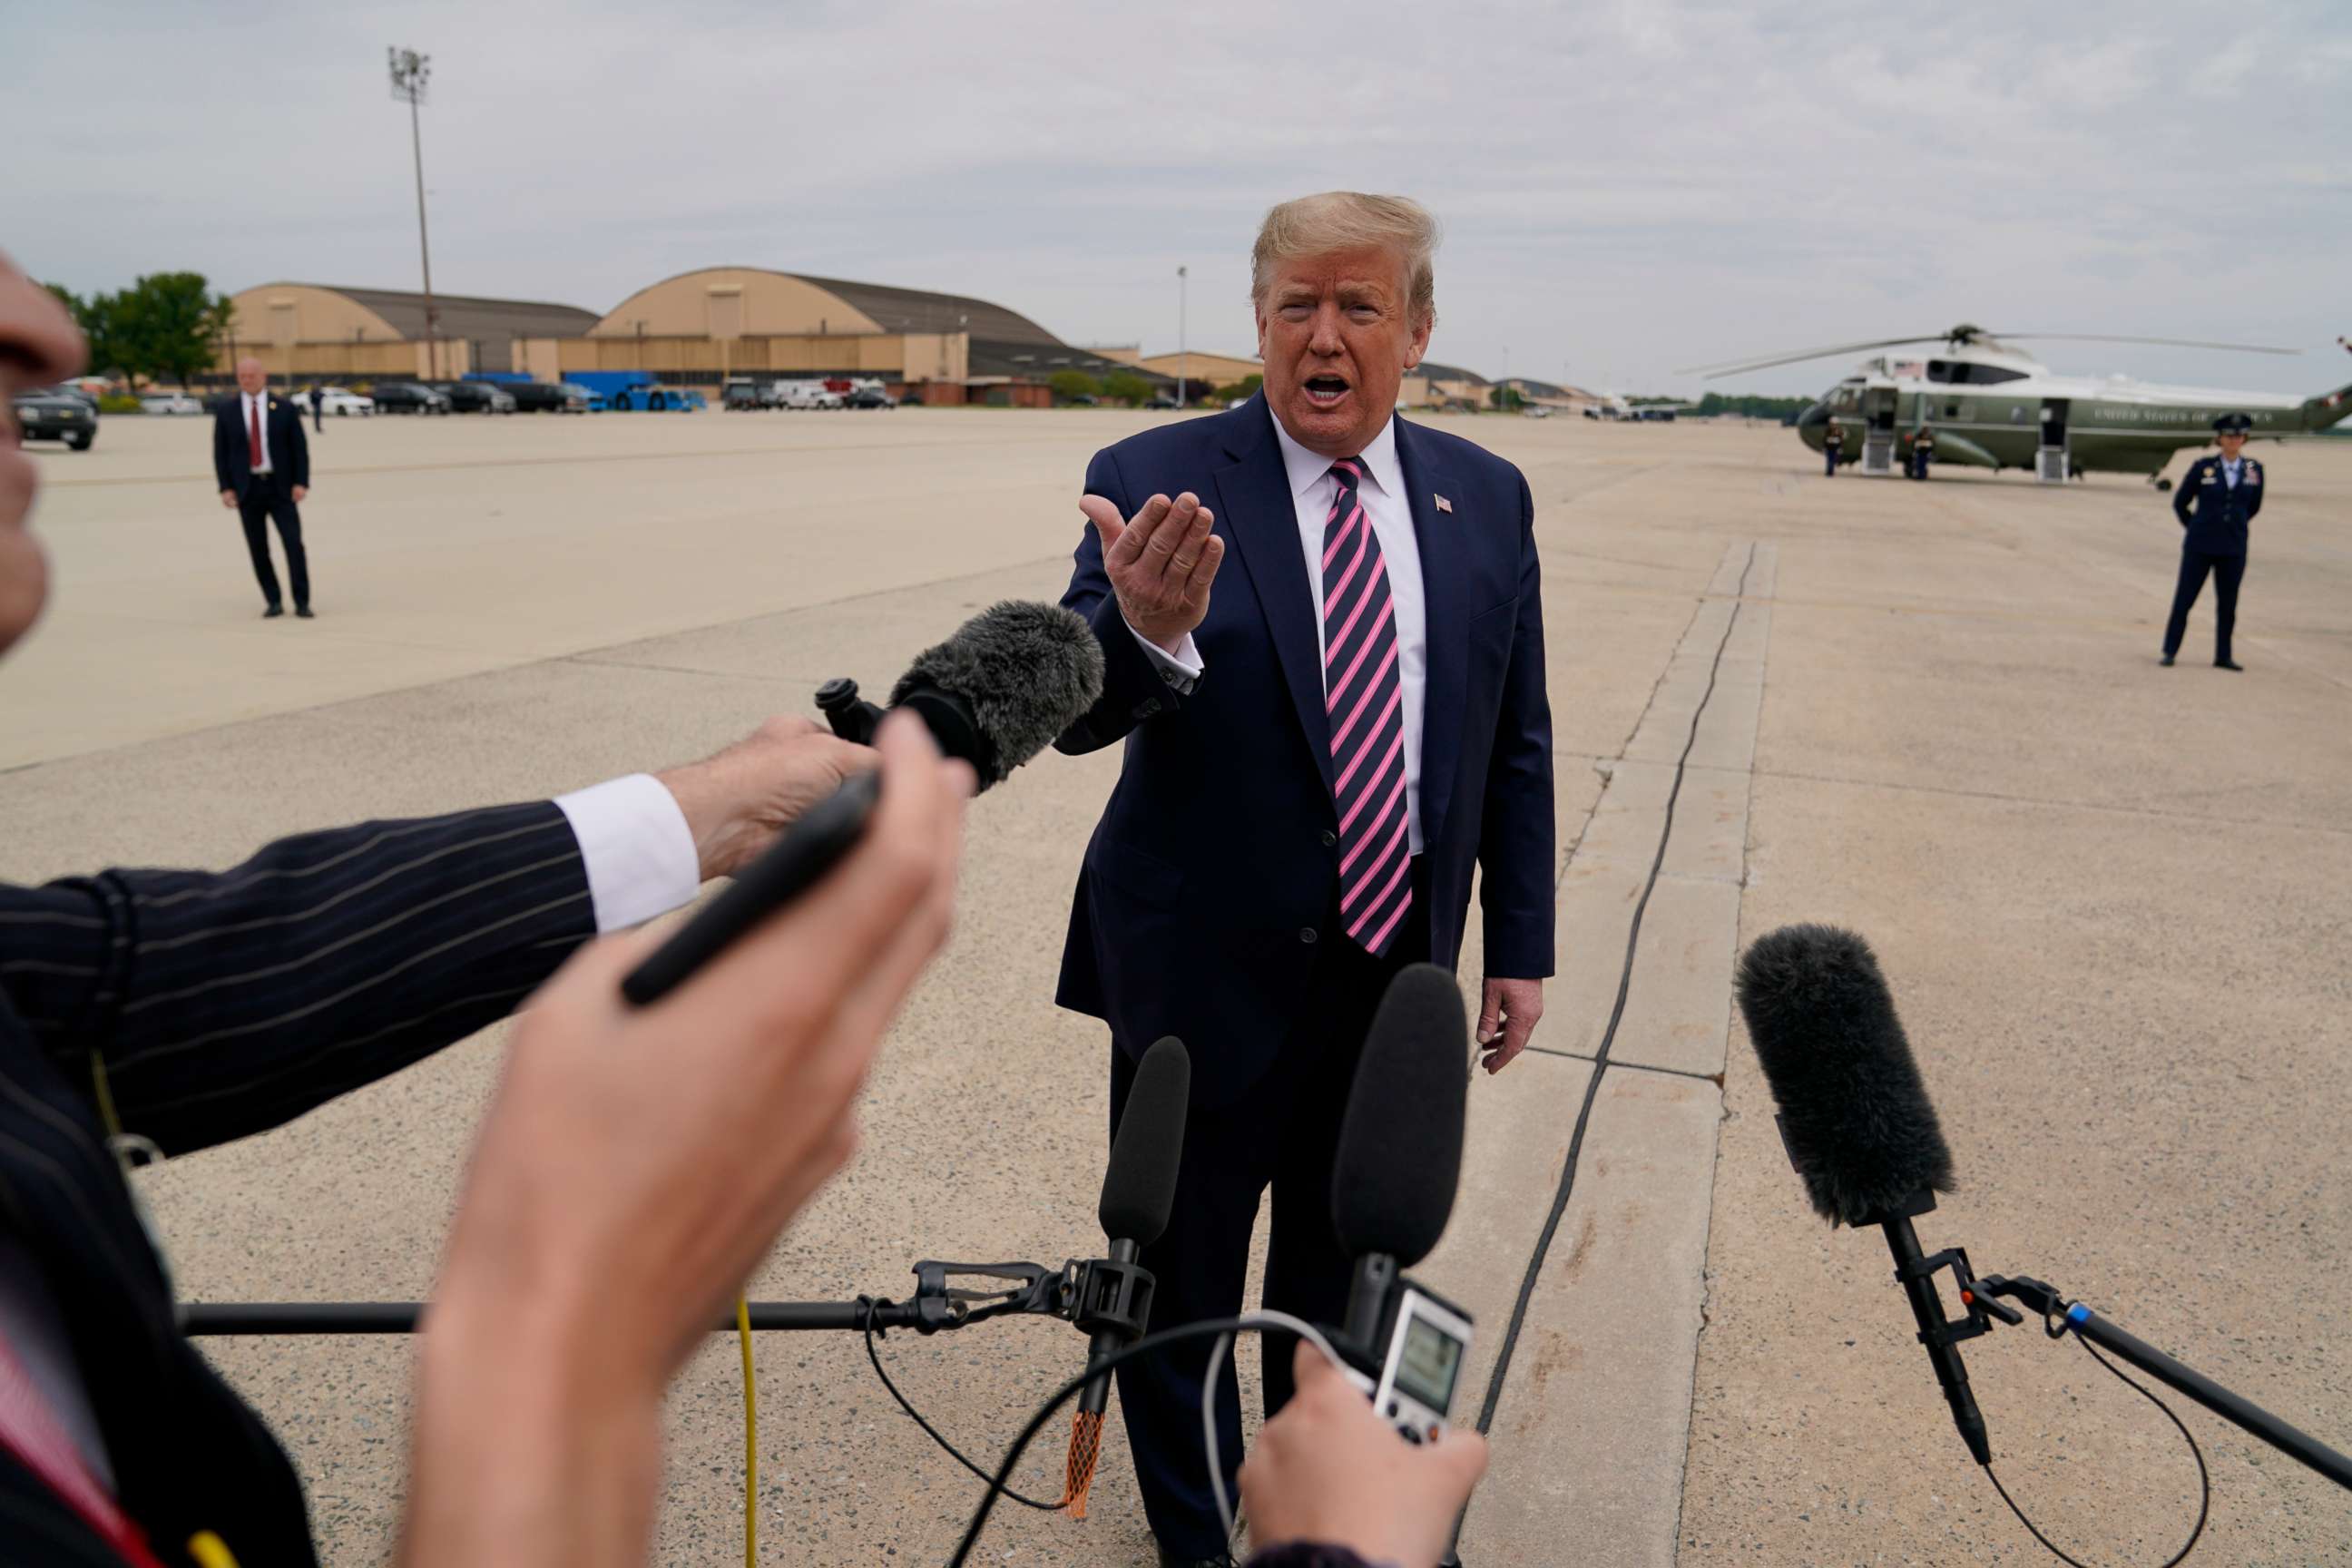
995,693
1139,1193
1855,1119
1400,1160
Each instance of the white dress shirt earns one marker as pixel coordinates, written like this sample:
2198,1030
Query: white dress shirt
637,846
2229,470
253,408
1313,488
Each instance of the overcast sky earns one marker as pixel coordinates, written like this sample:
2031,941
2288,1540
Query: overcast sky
1626,187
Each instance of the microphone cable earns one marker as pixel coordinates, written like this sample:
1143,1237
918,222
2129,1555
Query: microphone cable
867,1306
2056,1329
1150,1345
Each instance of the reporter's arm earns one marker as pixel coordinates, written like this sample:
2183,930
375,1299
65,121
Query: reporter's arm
223,1004
632,1169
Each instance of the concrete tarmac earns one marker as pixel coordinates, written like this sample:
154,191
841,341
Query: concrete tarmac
2112,900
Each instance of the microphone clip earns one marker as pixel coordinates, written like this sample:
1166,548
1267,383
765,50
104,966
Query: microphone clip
1109,1295
1975,1296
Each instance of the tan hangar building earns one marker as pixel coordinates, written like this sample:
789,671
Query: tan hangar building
310,332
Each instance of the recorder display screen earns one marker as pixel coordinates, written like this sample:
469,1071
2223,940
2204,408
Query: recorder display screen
1431,1361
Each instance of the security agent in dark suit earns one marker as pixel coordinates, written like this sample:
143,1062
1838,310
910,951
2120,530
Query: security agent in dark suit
1317,763
262,460
2215,502
1832,448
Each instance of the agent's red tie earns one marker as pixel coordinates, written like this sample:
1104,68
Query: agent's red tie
1363,693
253,430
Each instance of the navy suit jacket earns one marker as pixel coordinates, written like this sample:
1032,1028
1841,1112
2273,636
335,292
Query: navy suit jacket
1207,883
2214,514
223,1004
289,450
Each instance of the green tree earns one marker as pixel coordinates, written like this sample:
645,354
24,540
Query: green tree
169,324
1505,398
1126,387
1070,386
1240,391
95,316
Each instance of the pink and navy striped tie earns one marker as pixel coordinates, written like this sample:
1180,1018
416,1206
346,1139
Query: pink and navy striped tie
1363,691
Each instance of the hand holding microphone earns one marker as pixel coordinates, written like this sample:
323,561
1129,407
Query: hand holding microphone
635,1166
1330,1471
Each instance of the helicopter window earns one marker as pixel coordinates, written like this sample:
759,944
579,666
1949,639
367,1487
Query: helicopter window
1940,370
1987,374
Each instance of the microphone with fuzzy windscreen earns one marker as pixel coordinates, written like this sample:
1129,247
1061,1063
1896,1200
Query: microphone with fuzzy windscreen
1854,1116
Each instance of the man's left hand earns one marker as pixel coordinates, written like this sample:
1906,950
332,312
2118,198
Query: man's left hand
301,494
737,802
1506,1018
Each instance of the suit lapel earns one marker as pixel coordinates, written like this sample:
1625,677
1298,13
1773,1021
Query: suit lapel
1441,539
1253,502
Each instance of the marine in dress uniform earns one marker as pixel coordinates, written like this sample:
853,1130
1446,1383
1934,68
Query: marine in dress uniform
2215,502
1832,446
1923,451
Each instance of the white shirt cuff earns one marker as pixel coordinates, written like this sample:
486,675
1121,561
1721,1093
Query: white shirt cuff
637,848
1180,670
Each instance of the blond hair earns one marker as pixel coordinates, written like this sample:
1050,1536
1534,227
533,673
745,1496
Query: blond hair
1350,220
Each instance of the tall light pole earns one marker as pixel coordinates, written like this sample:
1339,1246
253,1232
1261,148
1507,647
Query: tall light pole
1182,355
409,72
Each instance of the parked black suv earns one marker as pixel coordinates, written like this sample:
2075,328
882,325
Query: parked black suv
55,415
742,394
408,397
869,397
476,396
545,397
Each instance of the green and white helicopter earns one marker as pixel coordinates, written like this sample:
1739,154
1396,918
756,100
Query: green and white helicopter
1994,406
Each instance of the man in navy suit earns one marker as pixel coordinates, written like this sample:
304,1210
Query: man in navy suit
262,460
2216,497
1317,759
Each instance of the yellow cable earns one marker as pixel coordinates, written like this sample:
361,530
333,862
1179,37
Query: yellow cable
209,1551
750,1440
105,1094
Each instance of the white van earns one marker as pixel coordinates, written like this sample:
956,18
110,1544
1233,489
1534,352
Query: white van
807,394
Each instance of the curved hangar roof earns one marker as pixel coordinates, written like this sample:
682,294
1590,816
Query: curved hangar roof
314,312
754,301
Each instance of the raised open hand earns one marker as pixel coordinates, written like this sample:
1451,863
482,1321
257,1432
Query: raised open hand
1160,562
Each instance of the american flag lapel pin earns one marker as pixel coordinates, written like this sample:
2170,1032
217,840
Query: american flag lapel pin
1444,505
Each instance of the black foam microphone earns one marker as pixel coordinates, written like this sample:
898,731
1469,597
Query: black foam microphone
1854,1116
995,693
1400,1156
1138,1189
1139,1193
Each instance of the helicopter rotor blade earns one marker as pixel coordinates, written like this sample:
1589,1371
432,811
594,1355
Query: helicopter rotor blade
1732,367
2165,343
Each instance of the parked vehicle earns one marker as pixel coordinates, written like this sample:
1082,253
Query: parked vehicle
1159,400
809,394
52,415
343,400
593,400
655,399
476,396
740,394
547,398
869,397
170,403
409,397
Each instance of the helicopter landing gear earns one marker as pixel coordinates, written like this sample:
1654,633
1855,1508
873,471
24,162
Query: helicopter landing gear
2160,482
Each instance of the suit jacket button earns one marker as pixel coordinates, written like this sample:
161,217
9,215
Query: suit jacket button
1330,838
1306,935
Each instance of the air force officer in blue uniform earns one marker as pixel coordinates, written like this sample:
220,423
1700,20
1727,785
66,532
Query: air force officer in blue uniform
1317,758
2218,497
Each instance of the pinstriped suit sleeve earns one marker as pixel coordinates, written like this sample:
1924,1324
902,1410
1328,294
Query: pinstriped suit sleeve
228,1003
